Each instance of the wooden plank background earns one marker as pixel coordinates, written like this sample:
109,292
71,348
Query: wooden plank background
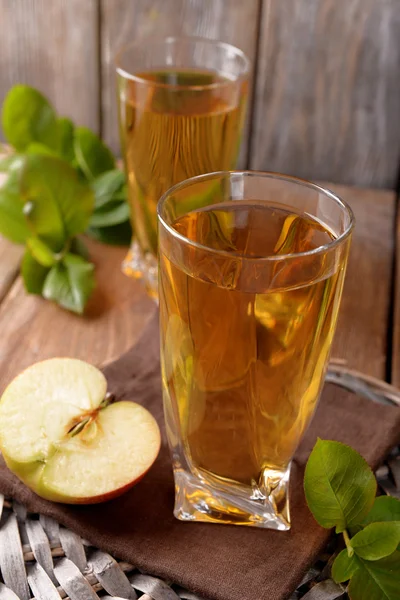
53,46
365,311
395,372
327,75
328,90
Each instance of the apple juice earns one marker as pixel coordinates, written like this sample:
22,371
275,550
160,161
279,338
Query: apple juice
245,343
171,129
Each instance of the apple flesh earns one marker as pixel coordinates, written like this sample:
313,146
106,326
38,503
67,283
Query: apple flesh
62,438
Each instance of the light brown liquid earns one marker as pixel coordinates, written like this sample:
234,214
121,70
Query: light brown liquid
245,342
175,131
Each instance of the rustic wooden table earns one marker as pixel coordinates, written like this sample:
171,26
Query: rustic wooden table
368,339
368,335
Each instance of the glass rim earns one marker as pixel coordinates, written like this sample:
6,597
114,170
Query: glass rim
338,241
169,39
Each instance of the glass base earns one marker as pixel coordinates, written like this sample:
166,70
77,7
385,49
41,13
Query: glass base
205,498
142,266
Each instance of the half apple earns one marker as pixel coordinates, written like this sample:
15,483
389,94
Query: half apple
63,438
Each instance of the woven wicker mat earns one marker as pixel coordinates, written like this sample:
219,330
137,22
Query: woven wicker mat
43,560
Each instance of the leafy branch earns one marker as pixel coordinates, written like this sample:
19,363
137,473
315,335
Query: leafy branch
61,181
340,491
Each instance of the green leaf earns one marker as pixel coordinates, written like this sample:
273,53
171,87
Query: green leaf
12,221
13,182
344,566
66,138
81,274
117,235
91,154
57,205
33,274
110,210
379,580
79,247
340,487
385,508
40,252
112,213
11,162
28,117
106,186
122,195
70,283
38,148
377,540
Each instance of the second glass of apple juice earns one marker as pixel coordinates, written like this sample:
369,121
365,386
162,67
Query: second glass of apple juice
250,287
181,111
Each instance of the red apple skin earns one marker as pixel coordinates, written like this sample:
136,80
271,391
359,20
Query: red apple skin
109,495
52,497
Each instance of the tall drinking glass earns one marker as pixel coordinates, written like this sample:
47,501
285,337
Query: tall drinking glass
251,269
181,111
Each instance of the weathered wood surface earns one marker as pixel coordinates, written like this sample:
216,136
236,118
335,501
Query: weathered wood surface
68,577
33,329
328,91
53,46
12,558
73,548
123,21
396,308
10,256
40,546
361,336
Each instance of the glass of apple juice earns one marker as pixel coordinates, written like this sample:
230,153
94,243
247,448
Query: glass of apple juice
251,270
181,111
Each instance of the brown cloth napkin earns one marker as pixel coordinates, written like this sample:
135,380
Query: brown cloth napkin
222,562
